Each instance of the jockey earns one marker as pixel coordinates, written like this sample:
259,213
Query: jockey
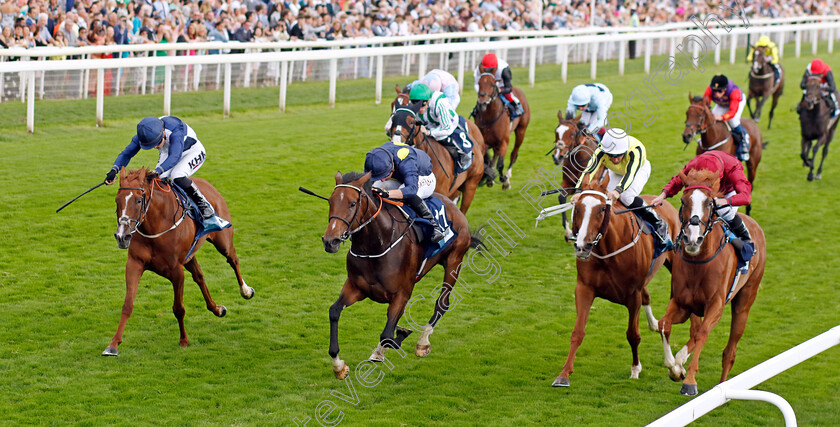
772,53
594,100
819,68
625,158
403,172
730,102
734,185
442,81
490,64
181,154
441,120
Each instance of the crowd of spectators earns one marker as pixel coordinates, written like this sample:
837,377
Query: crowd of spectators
28,23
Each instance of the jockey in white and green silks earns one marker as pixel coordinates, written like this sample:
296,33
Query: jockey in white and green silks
443,123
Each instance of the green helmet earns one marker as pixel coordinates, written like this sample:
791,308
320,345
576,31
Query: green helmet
420,92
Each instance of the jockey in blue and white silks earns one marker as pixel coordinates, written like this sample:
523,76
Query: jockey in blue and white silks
594,100
441,120
181,154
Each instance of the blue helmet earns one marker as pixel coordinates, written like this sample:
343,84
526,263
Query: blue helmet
150,132
379,163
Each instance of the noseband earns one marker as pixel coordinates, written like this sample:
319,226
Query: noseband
607,213
347,233
414,128
695,220
145,203
701,124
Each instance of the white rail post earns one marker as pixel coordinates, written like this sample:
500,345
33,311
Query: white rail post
86,83
622,45
672,52
780,42
333,77
119,81
167,90
421,65
226,106
564,68
717,53
815,41
461,61
733,46
593,62
532,67
558,51
100,97
284,74
648,48
41,89
30,102
380,60
830,40
798,42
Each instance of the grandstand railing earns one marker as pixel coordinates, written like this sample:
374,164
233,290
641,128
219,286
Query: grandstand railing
277,64
740,387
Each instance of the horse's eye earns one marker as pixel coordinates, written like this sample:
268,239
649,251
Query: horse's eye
353,204
138,201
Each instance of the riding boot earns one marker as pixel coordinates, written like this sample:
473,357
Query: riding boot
517,106
660,226
739,228
836,105
744,142
777,74
419,206
209,219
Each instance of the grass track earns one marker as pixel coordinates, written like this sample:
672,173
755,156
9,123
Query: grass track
493,356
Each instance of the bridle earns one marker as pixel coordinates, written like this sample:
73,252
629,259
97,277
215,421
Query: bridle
414,128
348,233
812,101
145,204
605,222
695,220
701,125
487,124
577,142
760,63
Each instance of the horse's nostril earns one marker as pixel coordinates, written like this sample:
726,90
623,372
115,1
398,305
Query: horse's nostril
700,240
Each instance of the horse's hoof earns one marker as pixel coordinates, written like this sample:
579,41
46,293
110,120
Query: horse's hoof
676,374
810,176
506,185
688,390
423,350
222,311
489,183
184,343
342,373
818,176
560,382
247,292
110,351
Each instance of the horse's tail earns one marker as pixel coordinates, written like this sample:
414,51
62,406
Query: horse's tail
764,145
476,242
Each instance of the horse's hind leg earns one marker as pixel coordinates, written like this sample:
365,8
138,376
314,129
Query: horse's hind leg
198,276
584,296
349,295
177,279
633,336
740,311
773,108
824,153
223,241
133,271
424,346
386,339
520,136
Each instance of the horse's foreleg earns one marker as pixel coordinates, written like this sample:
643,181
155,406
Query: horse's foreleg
759,105
567,229
740,311
673,314
349,295
198,276
806,148
633,336
584,296
520,135
386,339
651,320
824,153
773,108
500,165
177,279
133,271
812,161
223,241
711,318
749,106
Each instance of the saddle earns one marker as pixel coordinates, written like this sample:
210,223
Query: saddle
192,211
423,228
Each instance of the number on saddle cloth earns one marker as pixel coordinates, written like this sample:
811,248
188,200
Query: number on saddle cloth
438,210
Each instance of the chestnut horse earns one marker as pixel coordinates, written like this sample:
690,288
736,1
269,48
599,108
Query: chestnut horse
573,147
386,260
763,85
623,264
715,135
701,277
152,225
817,124
492,118
443,166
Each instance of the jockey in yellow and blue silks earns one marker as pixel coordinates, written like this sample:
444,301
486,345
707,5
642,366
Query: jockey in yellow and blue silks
625,159
181,154
403,172
441,121
772,53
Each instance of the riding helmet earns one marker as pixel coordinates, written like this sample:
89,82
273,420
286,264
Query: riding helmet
719,82
615,142
580,96
819,67
420,92
489,61
379,163
149,132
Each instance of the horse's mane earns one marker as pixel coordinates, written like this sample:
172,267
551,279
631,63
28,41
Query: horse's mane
696,99
406,90
704,177
137,174
349,177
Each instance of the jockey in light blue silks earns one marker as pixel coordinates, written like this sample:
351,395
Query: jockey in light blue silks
594,101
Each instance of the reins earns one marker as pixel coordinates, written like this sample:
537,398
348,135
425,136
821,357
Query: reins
146,204
347,234
484,124
695,220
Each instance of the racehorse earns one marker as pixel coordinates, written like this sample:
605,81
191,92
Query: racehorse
386,260
817,124
492,118
573,147
702,275
151,224
443,165
763,85
716,135
615,262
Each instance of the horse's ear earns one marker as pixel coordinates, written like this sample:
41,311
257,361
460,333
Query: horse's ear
567,115
122,173
397,88
603,177
338,177
365,178
690,98
683,177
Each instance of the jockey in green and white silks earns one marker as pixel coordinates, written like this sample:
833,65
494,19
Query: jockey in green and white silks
442,122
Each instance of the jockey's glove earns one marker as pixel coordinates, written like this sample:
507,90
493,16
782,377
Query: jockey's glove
112,174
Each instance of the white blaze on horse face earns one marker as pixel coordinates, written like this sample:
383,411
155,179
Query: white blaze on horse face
397,138
589,202
560,131
121,229
698,200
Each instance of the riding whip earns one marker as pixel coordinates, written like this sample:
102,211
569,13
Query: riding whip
80,195
312,194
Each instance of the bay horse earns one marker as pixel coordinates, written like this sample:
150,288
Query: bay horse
152,225
443,165
573,147
614,262
386,260
492,118
701,277
817,124
763,85
716,135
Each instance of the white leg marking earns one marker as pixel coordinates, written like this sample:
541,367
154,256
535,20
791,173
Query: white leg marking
378,354
509,173
669,357
653,325
682,356
337,364
635,370
424,337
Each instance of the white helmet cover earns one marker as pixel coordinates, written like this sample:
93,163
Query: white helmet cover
615,141
580,95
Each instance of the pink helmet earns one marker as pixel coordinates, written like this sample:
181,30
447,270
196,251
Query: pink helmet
432,81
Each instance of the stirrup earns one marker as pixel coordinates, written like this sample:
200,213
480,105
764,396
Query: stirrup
214,223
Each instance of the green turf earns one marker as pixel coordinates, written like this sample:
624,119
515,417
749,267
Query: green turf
493,357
